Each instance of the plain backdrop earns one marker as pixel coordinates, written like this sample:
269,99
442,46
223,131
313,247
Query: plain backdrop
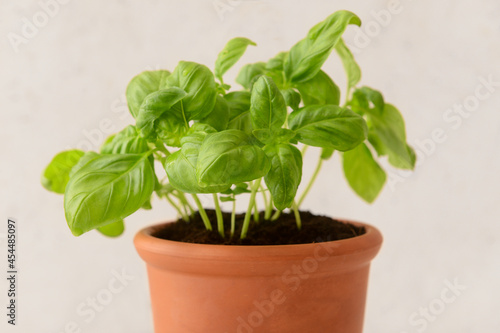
64,67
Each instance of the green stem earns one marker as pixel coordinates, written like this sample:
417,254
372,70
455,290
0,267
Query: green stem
304,149
246,221
256,216
269,209
161,147
311,182
184,217
276,215
203,213
218,212
297,215
233,216
182,197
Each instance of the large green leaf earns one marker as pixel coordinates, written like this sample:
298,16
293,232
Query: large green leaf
230,157
107,189
350,65
319,90
267,107
250,73
219,117
328,126
284,177
56,174
128,141
239,111
142,85
181,165
306,58
363,173
199,84
231,53
157,104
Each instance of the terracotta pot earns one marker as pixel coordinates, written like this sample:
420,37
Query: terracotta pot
315,288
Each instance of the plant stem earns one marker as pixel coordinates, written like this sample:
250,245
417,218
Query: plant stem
297,215
182,197
202,211
233,216
246,221
311,182
269,210
218,212
304,149
276,215
264,196
184,217
256,216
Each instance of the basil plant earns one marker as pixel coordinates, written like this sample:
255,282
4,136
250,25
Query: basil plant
214,140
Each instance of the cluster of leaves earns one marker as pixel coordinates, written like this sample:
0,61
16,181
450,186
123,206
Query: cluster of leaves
213,140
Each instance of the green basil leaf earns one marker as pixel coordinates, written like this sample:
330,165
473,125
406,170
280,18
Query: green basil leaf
351,67
230,157
181,165
142,85
307,56
267,107
368,101
326,153
250,73
226,199
292,98
284,177
239,111
282,135
319,90
128,141
387,135
114,229
276,63
107,189
219,117
154,106
363,173
231,53
56,174
328,126
199,84
86,158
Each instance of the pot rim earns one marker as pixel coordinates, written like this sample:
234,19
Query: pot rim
370,241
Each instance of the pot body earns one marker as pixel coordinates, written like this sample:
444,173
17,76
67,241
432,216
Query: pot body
318,287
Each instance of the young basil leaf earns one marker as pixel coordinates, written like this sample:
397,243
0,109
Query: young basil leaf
351,67
142,85
276,63
107,189
181,165
368,101
239,111
231,53
219,117
292,98
282,135
56,174
199,84
326,153
267,106
328,126
363,173
114,229
226,199
128,141
387,134
319,90
250,73
307,56
284,177
154,106
230,157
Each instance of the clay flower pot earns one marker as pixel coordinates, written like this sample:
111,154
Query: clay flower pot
318,287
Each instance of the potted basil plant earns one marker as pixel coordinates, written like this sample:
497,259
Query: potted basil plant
278,269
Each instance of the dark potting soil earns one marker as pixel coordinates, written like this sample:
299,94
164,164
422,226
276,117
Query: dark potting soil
315,229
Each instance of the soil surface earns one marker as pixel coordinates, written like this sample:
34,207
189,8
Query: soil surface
315,229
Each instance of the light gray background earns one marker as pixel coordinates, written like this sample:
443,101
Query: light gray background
440,223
